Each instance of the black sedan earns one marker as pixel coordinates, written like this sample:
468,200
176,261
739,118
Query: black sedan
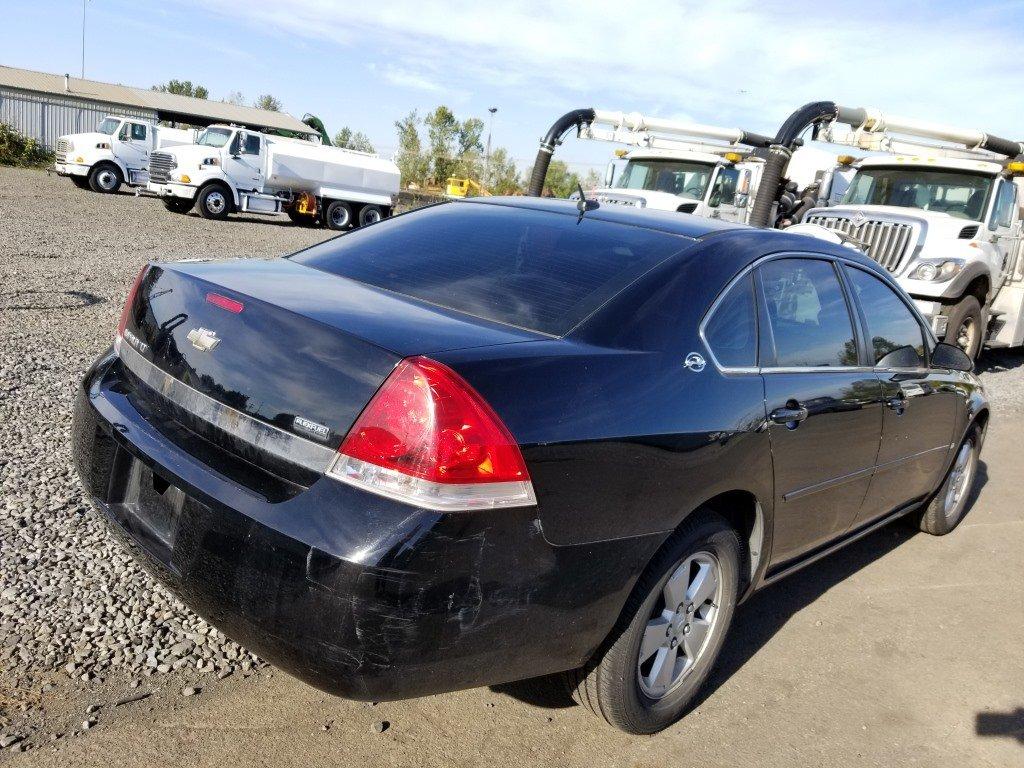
495,440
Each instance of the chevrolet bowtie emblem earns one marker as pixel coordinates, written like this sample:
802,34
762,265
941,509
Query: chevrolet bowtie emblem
203,339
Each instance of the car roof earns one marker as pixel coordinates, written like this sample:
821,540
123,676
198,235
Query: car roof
674,223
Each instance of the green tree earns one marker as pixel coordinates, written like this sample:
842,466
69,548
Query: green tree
411,160
183,88
357,140
502,175
236,98
442,130
593,180
470,133
269,103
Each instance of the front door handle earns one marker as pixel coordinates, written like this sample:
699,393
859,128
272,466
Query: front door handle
897,403
791,414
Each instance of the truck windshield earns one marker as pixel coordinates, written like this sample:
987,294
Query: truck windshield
684,178
214,137
108,126
962,195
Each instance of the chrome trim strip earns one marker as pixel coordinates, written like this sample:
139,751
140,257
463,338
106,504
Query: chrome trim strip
799,493
266,437
894,463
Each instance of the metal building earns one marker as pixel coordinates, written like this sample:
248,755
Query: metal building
44,106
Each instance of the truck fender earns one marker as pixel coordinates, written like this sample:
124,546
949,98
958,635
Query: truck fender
972,270
235,199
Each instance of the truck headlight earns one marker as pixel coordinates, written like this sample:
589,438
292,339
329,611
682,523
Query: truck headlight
937,271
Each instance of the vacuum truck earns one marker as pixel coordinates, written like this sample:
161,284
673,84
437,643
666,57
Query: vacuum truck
937,206
233,170
117,153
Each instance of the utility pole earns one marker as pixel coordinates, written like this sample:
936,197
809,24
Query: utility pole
487,157
83,37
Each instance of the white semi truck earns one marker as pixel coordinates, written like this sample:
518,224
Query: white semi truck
939,207
671,165
116,153
230,169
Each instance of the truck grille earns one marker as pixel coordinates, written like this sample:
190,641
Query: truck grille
887,242
62,151
160,166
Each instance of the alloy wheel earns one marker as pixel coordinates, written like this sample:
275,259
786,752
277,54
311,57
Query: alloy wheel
681,625
216,202
960,478
965,334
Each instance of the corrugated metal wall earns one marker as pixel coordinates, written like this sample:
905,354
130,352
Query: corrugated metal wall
44,117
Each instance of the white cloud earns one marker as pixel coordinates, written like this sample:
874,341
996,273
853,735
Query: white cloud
736,62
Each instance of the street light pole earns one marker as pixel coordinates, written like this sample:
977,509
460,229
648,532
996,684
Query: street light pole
487,157
83,37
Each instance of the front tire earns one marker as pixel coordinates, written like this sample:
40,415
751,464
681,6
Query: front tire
964,326
338,215
214,203
670,634
949,505
105,178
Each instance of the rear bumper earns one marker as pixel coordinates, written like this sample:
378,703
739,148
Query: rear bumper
353,593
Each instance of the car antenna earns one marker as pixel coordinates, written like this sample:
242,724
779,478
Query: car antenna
583,205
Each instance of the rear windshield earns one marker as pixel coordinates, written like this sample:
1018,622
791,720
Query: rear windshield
532,269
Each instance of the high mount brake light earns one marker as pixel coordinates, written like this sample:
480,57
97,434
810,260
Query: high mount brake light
429,439
126,312
225,303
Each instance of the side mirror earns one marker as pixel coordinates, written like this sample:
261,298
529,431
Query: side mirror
951,357
609,175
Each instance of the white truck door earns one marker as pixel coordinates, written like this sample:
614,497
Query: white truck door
134,146
244,163
1005,226
722,198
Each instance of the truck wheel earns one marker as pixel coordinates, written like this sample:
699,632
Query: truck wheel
106,178
82,182
214,202
945,511
178,204
670,633
338,215
370,214
964,326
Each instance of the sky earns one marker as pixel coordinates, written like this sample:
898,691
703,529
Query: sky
733,63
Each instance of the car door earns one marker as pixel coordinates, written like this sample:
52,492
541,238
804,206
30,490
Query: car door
919,416
823,405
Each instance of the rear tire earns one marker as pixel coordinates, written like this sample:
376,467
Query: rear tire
105,178
949,505
654,662
370,214
214,202
964,326
338,215
178,204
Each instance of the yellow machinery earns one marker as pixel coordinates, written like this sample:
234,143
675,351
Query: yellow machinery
462,188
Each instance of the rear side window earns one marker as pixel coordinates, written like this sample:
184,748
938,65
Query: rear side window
537,270
731,331
897,340
807,311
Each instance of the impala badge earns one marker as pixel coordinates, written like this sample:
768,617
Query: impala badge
695,362
202,339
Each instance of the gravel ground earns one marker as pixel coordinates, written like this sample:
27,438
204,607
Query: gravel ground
82,628
73,606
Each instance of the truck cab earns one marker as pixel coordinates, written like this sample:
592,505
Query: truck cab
701,183
116,153
949,231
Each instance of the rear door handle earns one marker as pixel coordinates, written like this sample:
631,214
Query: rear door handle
791,414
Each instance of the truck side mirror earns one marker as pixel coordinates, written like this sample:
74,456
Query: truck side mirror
609,174
951,357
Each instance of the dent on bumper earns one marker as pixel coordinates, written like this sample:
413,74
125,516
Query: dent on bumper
355,594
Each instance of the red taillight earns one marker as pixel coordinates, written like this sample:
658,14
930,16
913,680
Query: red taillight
225,303
129,302
428,438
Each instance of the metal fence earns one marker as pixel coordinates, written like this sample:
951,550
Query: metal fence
44,117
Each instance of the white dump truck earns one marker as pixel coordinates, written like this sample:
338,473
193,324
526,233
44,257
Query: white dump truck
939,207
117,153
230,169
